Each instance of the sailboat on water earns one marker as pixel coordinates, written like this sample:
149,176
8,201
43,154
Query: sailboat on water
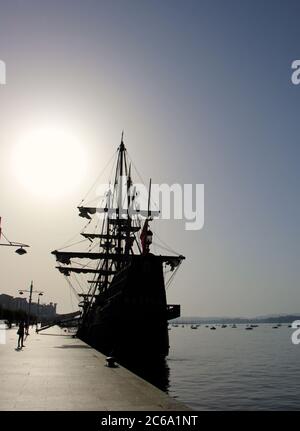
124,305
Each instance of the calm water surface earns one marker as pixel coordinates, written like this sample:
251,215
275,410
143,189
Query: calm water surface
230,369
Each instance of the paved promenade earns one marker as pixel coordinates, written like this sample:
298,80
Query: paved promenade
57,372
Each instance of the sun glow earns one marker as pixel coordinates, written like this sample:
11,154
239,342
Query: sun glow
49,162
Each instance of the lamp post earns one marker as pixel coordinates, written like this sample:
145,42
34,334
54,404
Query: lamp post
31,291
20,246
38,311
20,250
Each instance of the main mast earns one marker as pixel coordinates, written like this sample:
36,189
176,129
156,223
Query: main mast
120,197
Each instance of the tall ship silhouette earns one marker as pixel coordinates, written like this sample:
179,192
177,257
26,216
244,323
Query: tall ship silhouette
123,284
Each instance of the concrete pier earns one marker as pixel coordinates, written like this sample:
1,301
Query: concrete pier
57,372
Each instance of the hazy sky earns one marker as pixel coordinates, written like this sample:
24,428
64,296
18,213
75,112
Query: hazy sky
203,91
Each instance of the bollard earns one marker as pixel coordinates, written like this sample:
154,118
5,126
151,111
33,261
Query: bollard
110,362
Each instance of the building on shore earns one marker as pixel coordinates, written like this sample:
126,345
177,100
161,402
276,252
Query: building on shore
46,311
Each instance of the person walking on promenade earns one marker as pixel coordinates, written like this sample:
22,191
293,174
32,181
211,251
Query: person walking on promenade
21,334
26,327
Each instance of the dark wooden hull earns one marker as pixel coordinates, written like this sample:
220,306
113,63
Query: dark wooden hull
132,318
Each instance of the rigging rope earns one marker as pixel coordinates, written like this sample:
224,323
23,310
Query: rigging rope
2,234
74,243
73,237
99,176
71,300
83,265
141,178
167,247
72,287
78,283
172,277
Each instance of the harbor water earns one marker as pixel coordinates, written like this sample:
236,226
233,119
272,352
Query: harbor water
235,369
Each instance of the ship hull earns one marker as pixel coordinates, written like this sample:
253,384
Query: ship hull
131,319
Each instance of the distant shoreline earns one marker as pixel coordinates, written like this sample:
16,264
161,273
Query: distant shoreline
284,318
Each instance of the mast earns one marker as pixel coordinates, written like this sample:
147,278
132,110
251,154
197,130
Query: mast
107,245
120,195
127,240
120,229
149,197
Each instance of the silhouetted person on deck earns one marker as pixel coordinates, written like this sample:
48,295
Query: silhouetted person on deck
20,332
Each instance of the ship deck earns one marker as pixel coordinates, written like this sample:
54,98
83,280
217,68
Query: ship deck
58,372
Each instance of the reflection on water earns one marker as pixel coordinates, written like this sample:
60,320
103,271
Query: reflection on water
155,371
